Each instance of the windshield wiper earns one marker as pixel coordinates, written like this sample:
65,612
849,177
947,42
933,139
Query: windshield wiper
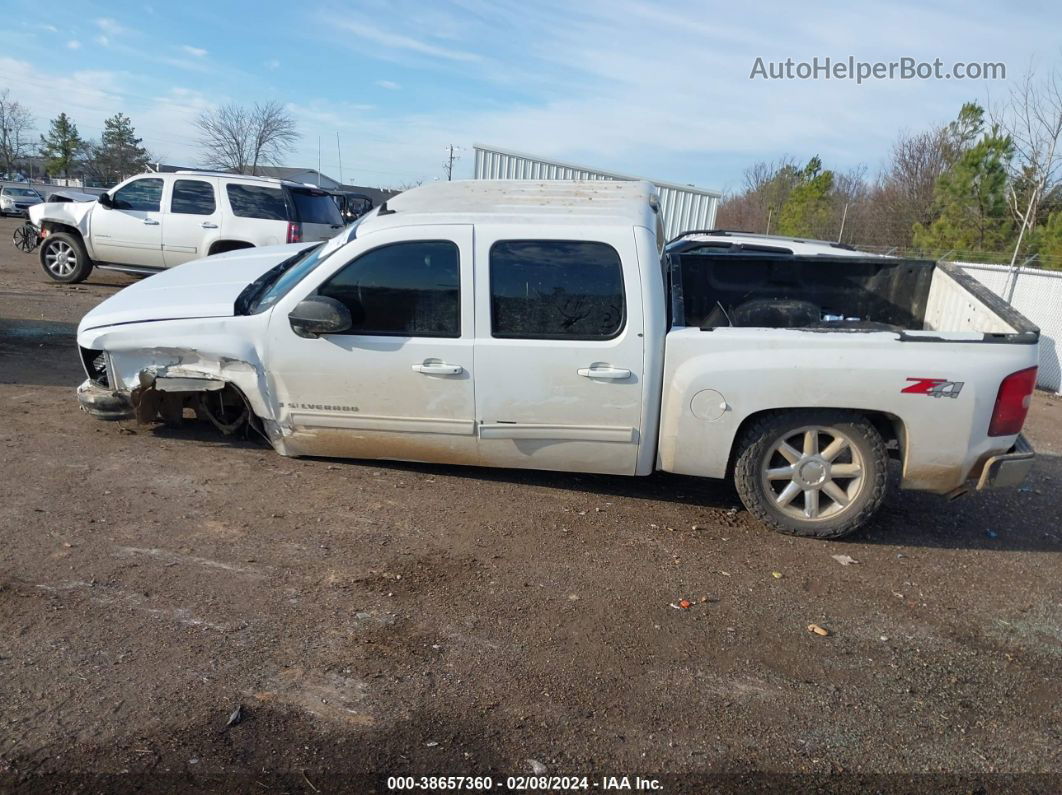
251,293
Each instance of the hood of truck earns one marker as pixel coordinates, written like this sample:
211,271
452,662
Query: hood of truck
202,288
70,213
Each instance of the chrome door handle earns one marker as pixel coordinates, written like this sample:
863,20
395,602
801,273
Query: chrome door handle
151,222
438,369
208,225
609,373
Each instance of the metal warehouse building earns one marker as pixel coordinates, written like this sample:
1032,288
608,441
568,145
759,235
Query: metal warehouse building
684,207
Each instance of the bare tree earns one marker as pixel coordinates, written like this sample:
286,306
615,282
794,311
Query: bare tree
756,208
16,124
1032,116
906,190
240,138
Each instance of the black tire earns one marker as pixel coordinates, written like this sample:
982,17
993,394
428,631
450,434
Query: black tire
74,267
759,454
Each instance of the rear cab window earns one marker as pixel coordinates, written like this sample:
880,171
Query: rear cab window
556,289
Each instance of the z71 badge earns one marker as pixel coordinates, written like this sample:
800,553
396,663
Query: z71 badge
934,387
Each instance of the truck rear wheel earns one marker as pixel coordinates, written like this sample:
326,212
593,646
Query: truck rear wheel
812,473
64,258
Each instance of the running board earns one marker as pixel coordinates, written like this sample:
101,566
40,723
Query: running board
140,270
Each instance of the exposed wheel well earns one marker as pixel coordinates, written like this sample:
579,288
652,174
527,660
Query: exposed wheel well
888,425
221,246
55,226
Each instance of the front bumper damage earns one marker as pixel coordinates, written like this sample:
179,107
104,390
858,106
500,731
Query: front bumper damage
103,402
1008,469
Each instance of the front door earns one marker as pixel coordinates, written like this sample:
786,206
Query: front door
558,352
399,384
192,221
130,232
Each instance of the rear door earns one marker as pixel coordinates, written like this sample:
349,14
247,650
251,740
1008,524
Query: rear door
317,212
191,221
130,232
559,351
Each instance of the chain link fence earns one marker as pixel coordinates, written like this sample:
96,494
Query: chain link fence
1037,294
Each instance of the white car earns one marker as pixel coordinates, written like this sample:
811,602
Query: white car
16,200
545,325
155,221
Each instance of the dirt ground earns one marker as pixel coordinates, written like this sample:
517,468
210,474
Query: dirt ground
376,619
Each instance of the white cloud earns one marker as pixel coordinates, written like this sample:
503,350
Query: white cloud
272,63
111,26
198,52
390,85
400,41
73,44
103,41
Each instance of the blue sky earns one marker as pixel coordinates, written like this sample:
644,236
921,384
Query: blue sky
659,89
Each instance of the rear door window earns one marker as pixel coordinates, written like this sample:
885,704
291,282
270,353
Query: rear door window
192,197
255,201
143,195
312,207
556,289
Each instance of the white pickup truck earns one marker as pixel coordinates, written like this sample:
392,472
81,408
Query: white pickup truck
546,325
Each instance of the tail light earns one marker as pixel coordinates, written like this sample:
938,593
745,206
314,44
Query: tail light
294,232
1012,403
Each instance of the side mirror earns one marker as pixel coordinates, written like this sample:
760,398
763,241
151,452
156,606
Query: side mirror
104,200
319,315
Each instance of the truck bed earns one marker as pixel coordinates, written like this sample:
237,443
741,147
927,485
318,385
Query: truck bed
758,332
920,299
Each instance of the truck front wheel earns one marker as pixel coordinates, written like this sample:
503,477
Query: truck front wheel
812,473
64,258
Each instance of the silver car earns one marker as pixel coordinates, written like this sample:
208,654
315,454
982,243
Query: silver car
16,200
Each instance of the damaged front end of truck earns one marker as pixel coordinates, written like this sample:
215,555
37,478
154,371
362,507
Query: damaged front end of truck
168,385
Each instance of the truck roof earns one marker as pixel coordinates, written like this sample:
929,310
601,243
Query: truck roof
582,202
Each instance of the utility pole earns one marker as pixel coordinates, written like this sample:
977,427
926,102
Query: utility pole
339,149
844,217
770,210
449,164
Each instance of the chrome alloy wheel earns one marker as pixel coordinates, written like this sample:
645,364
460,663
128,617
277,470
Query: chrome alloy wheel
813,473
60,258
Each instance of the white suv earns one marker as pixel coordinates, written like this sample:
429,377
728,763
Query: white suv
155,221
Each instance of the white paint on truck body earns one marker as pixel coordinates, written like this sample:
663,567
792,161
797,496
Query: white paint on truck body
767,369
476,399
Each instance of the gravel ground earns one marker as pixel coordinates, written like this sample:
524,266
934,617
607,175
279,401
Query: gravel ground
376,619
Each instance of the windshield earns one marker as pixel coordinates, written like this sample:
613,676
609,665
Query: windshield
285,276
273,285
25,192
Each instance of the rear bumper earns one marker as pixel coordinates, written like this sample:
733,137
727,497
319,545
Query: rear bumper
103,403
1008,469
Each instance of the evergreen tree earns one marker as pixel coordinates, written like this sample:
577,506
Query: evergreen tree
120,154
807,210
61,145
971,196
1048,241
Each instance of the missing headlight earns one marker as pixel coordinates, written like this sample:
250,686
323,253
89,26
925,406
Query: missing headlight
96,366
